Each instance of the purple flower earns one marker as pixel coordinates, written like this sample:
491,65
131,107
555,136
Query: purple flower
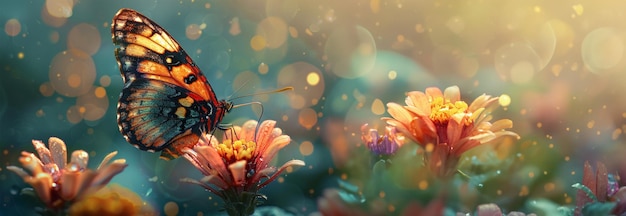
386,144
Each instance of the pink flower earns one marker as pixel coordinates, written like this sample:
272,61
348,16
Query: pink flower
57,182
238,166
445,126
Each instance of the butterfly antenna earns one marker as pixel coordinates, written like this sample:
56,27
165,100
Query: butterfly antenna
258,124
284,89
237,90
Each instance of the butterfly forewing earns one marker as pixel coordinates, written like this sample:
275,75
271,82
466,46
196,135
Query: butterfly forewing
166,102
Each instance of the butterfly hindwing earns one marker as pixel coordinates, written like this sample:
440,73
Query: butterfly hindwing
166,102
152,113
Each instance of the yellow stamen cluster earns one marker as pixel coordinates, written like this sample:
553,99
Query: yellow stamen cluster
240,150
442,110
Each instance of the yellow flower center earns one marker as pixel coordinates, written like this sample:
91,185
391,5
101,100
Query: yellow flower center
239,150
442,109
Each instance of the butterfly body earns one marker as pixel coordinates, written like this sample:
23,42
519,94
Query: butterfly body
166,103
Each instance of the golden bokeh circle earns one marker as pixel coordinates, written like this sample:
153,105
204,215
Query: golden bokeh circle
12,27
84,37
72,75
299,76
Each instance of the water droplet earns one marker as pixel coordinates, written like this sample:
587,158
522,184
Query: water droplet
498,172
73,167
480,185
149,192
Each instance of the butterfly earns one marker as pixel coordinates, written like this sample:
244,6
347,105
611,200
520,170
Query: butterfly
166,103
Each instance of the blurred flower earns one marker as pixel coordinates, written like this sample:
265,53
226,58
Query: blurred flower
57,182
234,169
112,200
445,126
600,187
386,144
336,202
434,207
492,209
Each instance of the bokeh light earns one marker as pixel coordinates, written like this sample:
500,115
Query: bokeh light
263,68
306,148
52,20
72,73
556,66
60,8
296,75
258,43
85,38
12,27
95,103
517,62
602,49
235,29
307,118
273,30
351,51
193,31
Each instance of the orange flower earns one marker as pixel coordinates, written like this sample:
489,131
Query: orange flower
445,126
57,182
236,168
112,200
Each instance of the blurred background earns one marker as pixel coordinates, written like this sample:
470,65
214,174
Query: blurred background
561,63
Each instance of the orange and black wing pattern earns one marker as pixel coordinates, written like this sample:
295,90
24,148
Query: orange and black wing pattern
166,103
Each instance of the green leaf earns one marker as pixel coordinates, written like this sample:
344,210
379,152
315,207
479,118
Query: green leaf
587,191
344,185
598,208
565,211
349,193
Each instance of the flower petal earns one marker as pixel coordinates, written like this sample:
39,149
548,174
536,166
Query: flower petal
75,183
44,153
264,133
452,93
433,92
602,181
454,129
106,159
464,145
31,163
215,180
290,163
195,160
104,175
483,101
268,154
42,183
589,180
248,130
206,186
424,131
417,102
19,171
79,160
398,113
501,125
59,151
238,171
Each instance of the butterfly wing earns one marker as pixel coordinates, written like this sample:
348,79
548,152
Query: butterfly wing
166,102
